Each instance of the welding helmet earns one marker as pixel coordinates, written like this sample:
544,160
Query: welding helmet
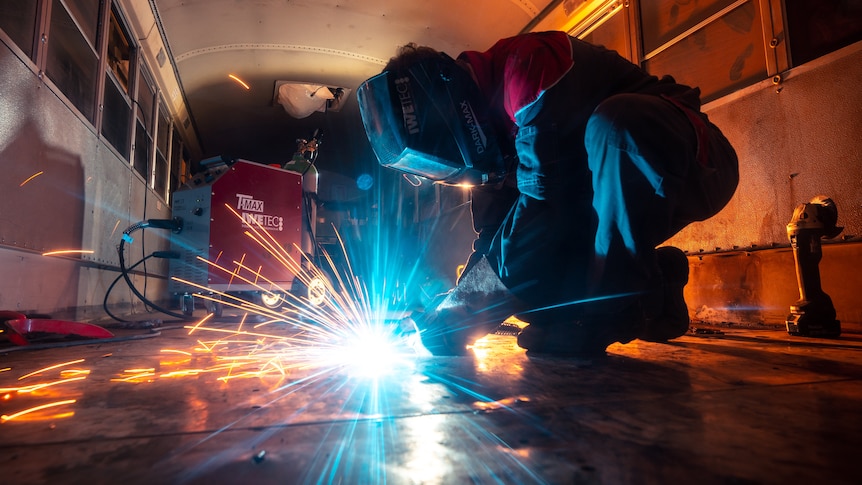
429,120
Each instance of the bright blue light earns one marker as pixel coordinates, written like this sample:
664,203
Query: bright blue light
372,351
364,182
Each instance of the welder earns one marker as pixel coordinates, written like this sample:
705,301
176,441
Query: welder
581,164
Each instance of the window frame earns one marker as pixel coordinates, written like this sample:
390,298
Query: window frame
111,16
97,39
160,181
772,24
48,34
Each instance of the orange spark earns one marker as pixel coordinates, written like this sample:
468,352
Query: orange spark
233,332
74,372
134,377
172,351
31,178
139,371
10,417
115,228
68,251
209,315
239,81
50,368
36,387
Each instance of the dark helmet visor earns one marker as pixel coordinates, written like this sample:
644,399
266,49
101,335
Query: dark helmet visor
429,121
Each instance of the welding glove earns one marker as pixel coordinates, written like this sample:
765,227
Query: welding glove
475,307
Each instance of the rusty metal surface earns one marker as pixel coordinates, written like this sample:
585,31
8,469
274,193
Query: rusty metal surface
755,406
795,140
758,287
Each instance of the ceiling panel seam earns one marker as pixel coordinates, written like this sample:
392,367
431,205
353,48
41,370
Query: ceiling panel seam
527,6
280,47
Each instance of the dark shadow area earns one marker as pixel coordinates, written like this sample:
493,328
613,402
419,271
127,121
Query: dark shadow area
41,193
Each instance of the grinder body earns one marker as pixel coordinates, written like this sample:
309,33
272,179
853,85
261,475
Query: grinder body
813,315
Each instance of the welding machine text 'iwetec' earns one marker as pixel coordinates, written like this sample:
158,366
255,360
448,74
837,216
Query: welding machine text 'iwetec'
234,199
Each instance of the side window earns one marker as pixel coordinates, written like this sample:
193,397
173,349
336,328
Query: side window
662,20
143,142
72,61
89,53
119,52
719,46
115,117
146,99
163,135
144,122
179,167
612,34
818,27
117,105
720,55
18,20
86,13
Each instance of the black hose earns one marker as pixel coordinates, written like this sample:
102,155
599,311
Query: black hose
114,283
125,274
174,224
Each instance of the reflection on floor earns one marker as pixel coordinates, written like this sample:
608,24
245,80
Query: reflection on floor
164,406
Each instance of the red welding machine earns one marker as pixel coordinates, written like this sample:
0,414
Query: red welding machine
220,208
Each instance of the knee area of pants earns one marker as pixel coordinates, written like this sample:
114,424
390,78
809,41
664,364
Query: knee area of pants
614,114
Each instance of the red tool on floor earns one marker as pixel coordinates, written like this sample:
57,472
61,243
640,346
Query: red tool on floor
20,327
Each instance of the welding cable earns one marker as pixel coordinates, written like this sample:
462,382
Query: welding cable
114,283
317,138
312,198
154,254
175,225
308,199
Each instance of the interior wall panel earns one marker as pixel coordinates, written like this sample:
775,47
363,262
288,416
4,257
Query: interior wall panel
61,188
795,140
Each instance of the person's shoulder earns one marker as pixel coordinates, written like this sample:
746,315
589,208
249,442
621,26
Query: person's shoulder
532,40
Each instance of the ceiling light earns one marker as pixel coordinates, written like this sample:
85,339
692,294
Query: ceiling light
302,99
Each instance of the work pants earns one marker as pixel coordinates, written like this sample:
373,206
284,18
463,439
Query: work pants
626,183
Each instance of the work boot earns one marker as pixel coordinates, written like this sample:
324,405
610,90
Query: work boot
586,337
578,338
658,315
672,321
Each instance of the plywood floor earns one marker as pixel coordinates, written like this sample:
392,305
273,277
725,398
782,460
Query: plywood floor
163,406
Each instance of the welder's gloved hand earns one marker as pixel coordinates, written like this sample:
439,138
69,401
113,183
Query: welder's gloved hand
449,331
471,310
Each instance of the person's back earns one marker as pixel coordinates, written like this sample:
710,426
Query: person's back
611,161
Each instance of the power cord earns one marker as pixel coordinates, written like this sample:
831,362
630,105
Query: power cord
155,254
175,225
